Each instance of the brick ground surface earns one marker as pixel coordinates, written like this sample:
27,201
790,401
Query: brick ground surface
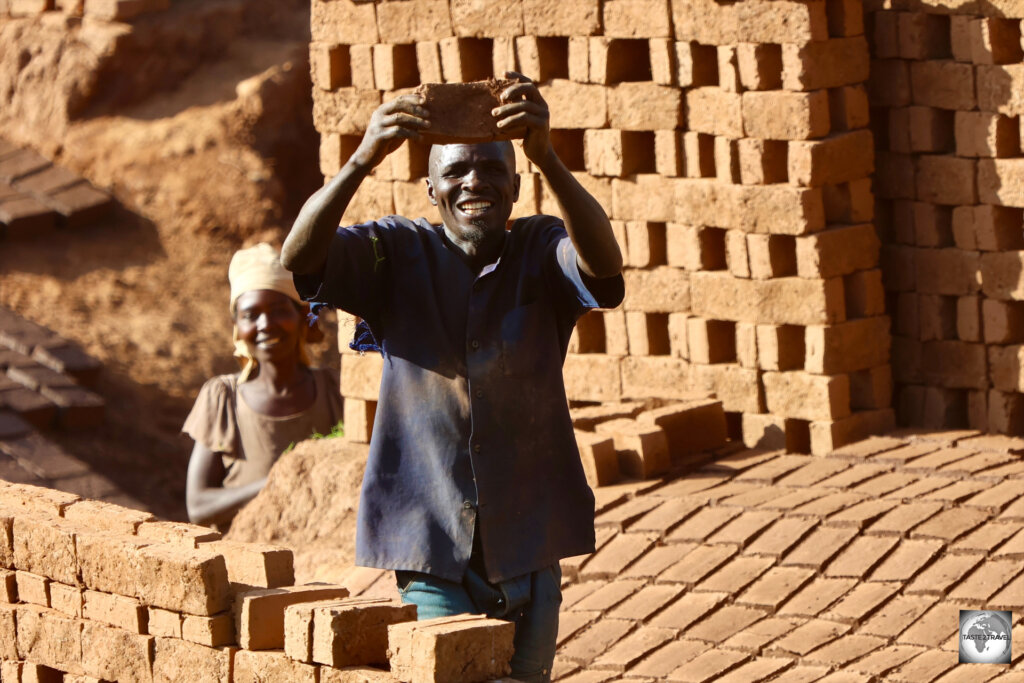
842,567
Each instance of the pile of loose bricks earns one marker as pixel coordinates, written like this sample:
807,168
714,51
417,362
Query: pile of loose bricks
96,592
37,196
730,144
46,381
947,94
101,10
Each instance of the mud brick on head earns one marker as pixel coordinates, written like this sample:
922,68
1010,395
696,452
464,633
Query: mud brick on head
355,632
461,112
457,649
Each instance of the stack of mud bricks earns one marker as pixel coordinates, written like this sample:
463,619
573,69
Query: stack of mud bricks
36,196
45,380
729,143
102,10
96,592
644,439
947,94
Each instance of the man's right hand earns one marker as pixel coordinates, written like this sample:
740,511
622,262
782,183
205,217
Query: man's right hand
400,119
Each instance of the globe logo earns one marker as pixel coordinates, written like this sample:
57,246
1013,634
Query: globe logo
985,636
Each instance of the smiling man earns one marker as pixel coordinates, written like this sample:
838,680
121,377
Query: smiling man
474,488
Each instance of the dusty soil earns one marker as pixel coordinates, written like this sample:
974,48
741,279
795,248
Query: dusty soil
220,160
309,504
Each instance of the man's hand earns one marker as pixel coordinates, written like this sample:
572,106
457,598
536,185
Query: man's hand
400,119
523,107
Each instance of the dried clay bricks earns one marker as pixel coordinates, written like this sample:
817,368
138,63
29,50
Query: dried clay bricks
731,145
93,591
946,94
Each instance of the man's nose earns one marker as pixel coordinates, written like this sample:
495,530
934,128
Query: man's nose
473,180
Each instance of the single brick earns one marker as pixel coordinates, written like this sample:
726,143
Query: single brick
188,535
642,449
49,638
260,613
99,516
213,631
179,660
162,622
459,649
117,610
255,565
599,457
32,588
355,632
271,665
181,579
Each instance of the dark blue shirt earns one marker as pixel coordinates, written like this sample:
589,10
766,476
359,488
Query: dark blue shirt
472,428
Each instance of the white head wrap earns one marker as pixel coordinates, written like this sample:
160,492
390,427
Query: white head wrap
258,267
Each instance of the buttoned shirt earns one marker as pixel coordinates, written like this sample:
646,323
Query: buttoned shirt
472,429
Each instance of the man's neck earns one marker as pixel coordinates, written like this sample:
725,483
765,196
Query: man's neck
476,254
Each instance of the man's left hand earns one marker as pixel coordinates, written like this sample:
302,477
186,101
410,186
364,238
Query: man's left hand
523,107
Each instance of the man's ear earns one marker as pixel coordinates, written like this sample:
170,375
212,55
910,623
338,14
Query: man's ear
515,188
430,192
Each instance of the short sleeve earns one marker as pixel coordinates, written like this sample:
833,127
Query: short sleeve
212,421
354,274
590,292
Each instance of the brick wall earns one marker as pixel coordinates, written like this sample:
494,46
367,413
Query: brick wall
101,592
946,98
729,144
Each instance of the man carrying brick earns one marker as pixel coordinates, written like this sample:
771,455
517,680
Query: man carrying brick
474,488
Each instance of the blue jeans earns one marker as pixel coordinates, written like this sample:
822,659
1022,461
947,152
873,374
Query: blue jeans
536,620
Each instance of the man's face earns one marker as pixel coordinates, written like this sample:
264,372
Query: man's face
473,187
271,323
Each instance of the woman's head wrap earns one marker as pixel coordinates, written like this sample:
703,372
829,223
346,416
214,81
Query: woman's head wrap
259,267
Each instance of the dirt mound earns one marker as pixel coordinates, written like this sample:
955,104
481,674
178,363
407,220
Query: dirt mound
206,149
309,504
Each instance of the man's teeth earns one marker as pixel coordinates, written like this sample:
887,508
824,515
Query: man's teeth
475,207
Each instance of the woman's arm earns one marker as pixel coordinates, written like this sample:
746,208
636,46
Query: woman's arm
207,501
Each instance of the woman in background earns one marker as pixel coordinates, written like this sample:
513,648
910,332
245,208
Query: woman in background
242,423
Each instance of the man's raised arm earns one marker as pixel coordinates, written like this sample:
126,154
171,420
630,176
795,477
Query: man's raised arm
305,248
585,220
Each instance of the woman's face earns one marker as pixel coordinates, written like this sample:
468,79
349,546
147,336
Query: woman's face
271,324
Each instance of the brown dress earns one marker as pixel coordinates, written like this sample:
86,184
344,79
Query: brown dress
248,442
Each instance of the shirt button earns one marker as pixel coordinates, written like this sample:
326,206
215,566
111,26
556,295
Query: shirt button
479,393
475,344
466,505
476,448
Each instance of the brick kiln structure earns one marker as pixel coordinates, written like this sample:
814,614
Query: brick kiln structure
777,172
